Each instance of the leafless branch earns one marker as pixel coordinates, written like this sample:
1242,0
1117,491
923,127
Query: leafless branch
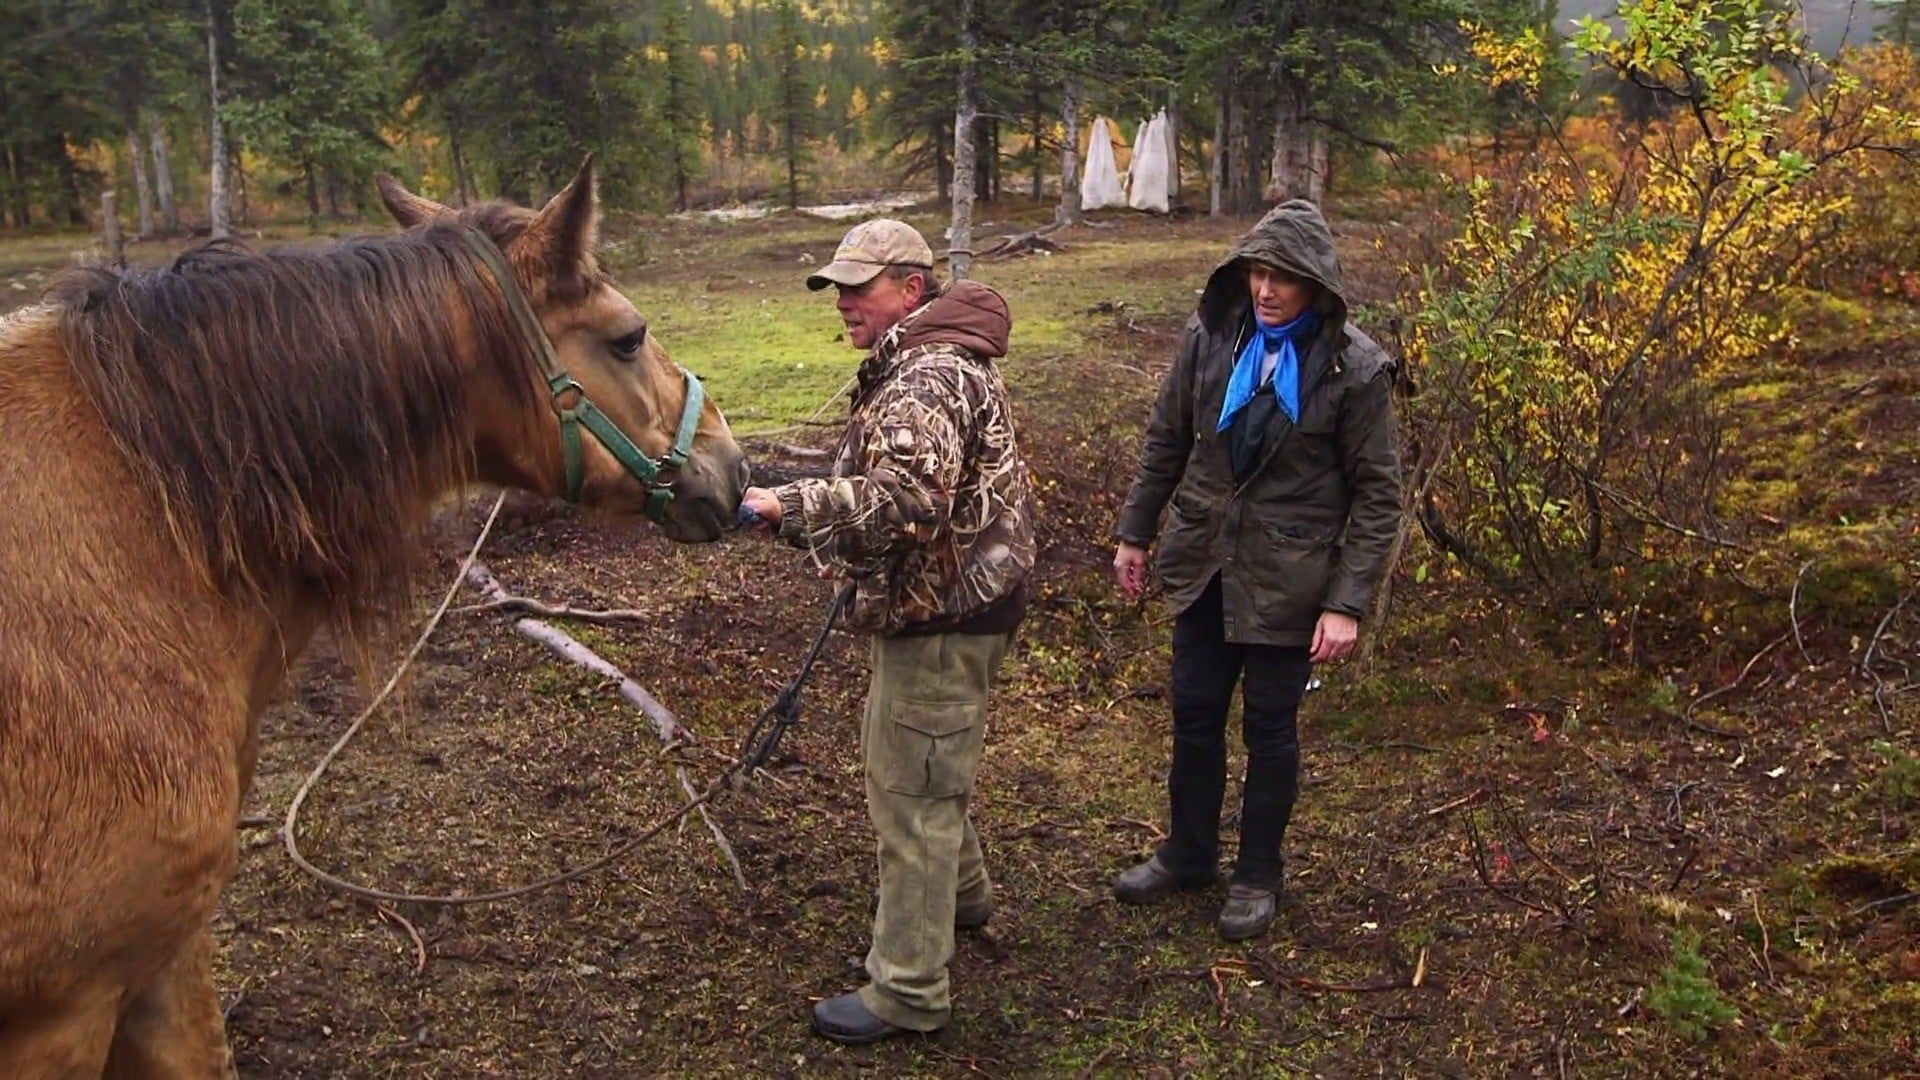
1793,611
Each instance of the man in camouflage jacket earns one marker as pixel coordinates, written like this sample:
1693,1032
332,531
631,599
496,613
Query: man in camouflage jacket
927,511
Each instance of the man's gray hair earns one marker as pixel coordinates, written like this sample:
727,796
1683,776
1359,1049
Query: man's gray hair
931,286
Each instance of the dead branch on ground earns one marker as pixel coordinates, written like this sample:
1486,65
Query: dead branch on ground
671,731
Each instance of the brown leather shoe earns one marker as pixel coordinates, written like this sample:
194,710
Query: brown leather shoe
1151,882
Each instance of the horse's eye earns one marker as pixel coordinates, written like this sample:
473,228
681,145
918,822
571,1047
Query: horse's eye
628,347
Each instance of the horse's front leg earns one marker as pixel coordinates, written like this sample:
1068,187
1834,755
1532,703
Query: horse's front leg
173,1026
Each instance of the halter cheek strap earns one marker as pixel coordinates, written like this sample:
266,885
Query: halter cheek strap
582,412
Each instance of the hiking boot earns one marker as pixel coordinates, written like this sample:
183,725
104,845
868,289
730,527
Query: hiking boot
846,1019
1247,913
972,916
1151,882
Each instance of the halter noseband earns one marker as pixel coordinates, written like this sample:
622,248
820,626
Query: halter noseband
583,412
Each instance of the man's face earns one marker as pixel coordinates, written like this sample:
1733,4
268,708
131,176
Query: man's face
872,309
1277,295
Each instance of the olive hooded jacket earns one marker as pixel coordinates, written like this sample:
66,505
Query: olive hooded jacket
1308,529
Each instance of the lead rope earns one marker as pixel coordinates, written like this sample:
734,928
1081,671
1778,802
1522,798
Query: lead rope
762,739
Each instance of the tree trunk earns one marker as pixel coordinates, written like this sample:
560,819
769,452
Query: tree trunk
142,191
462,180
1173,147
70,186
163,175
333,196
1218,171
942,170
1038,117
242,209
1243,179
960,238
219,201
1069,209
110,230
313,197
16,190
985,157
1283,174
1316,165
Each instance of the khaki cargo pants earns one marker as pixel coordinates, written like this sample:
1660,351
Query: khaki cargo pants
920,741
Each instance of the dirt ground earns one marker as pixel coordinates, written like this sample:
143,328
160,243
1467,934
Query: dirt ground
1509,824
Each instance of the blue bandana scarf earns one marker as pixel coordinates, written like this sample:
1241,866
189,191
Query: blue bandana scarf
1286,368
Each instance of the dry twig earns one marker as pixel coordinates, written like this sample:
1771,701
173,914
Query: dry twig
290,827
419,944
529,606
1885,902
1687,717
1866,664
671,731
1793,611
1461,801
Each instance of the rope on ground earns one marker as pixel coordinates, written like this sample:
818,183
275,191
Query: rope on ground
289,827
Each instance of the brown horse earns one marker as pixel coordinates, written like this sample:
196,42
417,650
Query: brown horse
199,467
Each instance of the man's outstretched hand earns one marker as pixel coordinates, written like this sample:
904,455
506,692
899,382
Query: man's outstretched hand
759,506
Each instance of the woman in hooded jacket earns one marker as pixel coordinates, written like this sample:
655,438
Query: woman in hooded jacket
1273,442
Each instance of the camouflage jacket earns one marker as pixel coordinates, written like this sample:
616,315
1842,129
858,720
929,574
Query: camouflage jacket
927,505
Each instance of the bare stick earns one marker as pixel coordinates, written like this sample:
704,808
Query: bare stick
289,828
1727,689
1461,801
419,944
1866,665
529,606
1866,658
719,838
1648,517
811,421
1766,940
1793,611
568,646
671,731
1890,901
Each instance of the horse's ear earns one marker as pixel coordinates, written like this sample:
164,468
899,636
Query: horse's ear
407,208
568,227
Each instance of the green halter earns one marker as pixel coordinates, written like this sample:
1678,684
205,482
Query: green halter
583,413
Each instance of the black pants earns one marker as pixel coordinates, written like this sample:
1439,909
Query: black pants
1272,677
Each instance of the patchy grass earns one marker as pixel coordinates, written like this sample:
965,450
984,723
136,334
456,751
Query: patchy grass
1520,813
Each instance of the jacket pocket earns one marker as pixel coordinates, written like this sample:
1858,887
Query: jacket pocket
1295,574
933,748
1185,542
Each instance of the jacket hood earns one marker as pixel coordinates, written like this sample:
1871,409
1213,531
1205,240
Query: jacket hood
967,314
1294,237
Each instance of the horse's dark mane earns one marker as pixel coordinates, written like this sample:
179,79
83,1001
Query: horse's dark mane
295,412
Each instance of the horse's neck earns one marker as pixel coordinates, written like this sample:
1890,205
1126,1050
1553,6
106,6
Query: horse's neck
96,560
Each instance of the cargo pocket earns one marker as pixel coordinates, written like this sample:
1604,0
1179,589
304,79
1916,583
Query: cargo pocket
933,748
1297,573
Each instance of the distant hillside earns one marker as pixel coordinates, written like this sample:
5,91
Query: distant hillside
1827,20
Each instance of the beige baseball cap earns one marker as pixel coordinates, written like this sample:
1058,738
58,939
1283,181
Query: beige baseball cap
870,247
